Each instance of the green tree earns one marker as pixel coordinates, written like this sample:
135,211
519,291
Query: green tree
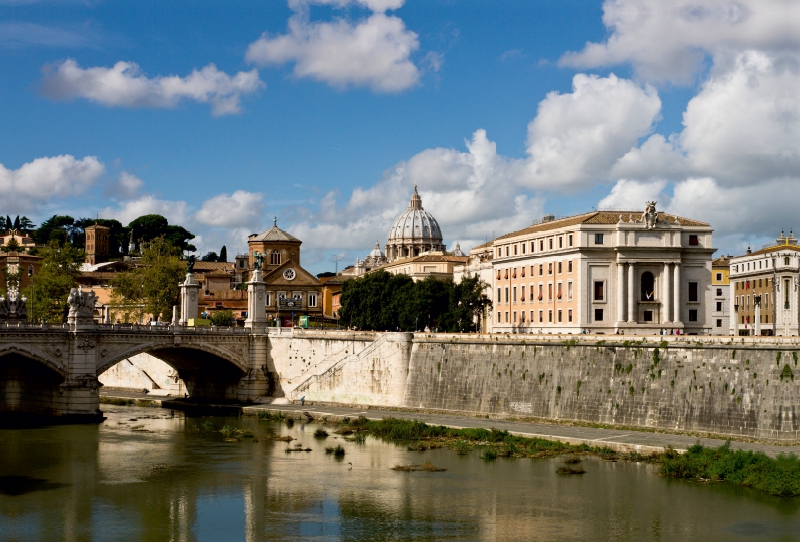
60,228
222,318
26,226
210,257
153,288
16,223
148,227
223,254
47,295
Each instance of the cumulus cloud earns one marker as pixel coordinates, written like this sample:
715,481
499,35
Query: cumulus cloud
124,85
629,195
372,52
240,209
176,212
577,137
668,41
126,187
472,195
50,177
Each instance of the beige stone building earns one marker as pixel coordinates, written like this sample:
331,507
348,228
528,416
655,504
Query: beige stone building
765,290
604,272
479,264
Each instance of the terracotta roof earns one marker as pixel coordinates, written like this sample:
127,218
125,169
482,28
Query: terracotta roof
98,275
218,274
213,266
722,261
598,217
274,234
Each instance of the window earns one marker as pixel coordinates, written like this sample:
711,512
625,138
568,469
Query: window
514,294
598,290
275,258
550,268
522,316
648,316
648,287
550,243
312,300
522,294
241,264
693,240
719,276
759,283
515,250
523,251
268,300
693,291
541,317
515,317
598,238
540,291
569,240
559,290
499,317
550,291
719,322
719,306
559,316
569,266
499,298
506,294
506,250
559,268
693,315
541,245
598,315
560,245
550,316
786,260
719,291
569,315
569,290
541,269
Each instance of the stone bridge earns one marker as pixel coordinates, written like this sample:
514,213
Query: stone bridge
52,369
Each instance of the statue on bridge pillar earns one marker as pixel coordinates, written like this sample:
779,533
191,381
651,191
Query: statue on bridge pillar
13,305
81,307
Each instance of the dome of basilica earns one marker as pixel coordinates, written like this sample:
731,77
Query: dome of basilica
413,232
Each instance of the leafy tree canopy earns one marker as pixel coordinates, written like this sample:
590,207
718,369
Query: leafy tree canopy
223,254
222,318
326,274
47,295
381,301
210,257
152,288
148,227
118,234
59,228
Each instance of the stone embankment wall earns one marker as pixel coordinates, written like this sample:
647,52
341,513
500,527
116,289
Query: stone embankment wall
724,386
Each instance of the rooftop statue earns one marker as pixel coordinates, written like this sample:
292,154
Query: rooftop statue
650,216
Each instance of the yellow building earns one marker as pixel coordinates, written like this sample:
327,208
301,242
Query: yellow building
720,295
434,264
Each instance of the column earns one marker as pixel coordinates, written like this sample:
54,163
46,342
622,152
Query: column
676,308
189,299
620,293
631,296
256,302
665,312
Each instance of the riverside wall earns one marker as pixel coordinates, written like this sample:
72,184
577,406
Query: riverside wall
741,387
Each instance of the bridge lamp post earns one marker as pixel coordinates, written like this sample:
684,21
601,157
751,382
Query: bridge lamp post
33,293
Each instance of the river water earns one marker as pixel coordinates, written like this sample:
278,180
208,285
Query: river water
149,474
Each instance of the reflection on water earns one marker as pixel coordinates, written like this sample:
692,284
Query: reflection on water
146,475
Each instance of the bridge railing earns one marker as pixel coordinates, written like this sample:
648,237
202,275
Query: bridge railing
16,326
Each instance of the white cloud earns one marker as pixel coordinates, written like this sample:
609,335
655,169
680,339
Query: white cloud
576,137
50,177
126,187
125,86
240,209
627,195
176,212
373,52
669,40
471,194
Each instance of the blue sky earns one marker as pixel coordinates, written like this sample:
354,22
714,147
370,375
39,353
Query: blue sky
325,113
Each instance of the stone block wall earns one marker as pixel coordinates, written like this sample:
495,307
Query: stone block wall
736,388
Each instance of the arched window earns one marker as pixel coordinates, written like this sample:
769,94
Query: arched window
275,258
648,287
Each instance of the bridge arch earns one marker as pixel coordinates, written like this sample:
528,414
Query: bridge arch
207,370
30,384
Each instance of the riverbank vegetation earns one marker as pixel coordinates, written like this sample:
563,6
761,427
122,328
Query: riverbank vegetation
778,476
